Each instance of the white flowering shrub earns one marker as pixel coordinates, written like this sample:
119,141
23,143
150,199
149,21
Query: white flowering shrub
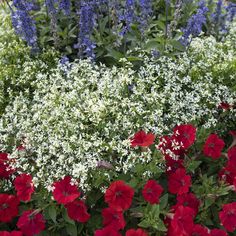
17,66
78,119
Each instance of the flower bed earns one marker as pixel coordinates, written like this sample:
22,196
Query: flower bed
144,147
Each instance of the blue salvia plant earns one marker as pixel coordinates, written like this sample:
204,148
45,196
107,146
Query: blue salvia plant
85,45
194,24
23,23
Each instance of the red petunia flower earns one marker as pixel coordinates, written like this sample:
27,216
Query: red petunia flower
172,165
77,210
13,233
182,223
185,134
225,106
189,200
8,207
228,216
24,187
142,139
31,223
64,192
199,230
179,182
213,146
119,195
113,218
232,155
137,232
218,232
107,231
228,173
152,192
5,169
170,147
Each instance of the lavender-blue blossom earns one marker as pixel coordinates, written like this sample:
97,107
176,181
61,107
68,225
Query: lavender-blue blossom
195,23
65,6
86,26
25,27
128,17
145,12
231,11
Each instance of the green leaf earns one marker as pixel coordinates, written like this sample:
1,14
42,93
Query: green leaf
52,213
164,201
115,54
161,226
71,230
193,165
144,224
155,210
66,217
177,45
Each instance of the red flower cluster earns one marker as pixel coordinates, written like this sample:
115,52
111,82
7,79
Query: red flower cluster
113,218
189,200
142,139
228,216
218,232
138,232
31,223
77,210
182,222
64,192
5,169
152,192
13,233
107,231
228,173
24,187
119,195
8,207
213,146
175,146
179,182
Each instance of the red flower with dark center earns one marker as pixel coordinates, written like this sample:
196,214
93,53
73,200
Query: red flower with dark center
152,192
232,155
107,231
13,233
185,134
5,169
170,147
31,223
77,210
228,216
189,200
182,223
64,192
228,173
218,232
137,232
179,182
119,195
8,207
142,139
172,165
213,146
24,187
225,106
113,218
199,230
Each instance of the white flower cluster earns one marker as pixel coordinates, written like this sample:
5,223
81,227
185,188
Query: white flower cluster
88,115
